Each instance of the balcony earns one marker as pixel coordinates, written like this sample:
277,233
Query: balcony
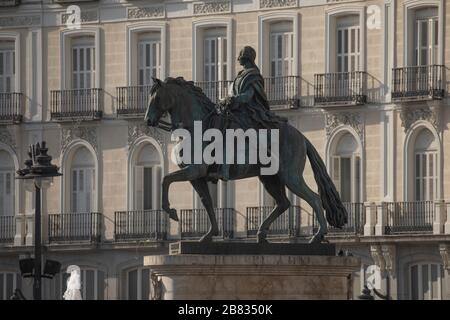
11,108
76,104
9,3
286,225
132,102
194,223
74,227
215,90
283,92
140,225
340,89
7,229
355,222
418,83
409,217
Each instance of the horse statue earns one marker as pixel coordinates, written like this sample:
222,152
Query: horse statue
185,103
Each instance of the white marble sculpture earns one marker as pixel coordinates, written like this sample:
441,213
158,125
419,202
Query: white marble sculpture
73,291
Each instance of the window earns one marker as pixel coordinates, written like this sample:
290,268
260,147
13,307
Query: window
215,54
9,281
346,168
138,284
426,37
426,281
281,49
425,167
83,63
149,58
6,184
147,178
82,182
348,44
92,284
7,66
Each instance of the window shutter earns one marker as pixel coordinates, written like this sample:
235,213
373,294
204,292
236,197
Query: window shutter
139,187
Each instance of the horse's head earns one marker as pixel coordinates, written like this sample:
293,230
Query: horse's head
161,102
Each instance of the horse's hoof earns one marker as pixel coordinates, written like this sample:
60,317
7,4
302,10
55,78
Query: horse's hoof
262,241
318,238
172,214
206,238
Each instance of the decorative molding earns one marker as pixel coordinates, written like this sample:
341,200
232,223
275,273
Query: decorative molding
409,116
88,134
86,16
20,21
384,257
268,4
444,250
7,138
388,252
147,12
138,129
212,7
352,119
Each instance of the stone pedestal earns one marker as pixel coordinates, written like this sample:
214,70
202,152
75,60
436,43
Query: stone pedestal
251,276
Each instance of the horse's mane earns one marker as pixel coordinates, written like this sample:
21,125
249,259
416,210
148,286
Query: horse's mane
191,87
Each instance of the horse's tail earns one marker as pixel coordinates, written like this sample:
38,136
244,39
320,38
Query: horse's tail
331,201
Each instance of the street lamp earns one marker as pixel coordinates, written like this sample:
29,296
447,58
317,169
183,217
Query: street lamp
38,174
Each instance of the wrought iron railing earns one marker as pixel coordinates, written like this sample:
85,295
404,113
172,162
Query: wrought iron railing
215,90
132,100
86,104
340,88
140,224
194,223
409,217
73,227
11,107
287,224
283,92
355,221
418,82
7,229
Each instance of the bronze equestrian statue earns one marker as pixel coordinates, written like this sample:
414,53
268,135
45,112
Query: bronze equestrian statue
246,108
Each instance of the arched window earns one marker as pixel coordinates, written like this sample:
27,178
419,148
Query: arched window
82,184
92,284
425,166
138,284
346,168
147,178
426,281
9,281
6,184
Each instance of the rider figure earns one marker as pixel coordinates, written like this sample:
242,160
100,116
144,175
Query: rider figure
248,103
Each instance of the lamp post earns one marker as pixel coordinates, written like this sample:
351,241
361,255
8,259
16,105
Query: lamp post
38,174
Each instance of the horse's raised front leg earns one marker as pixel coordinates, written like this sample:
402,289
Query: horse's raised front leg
189,173
201,187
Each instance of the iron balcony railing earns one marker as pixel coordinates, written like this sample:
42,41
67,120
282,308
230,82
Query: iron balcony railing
409,217
215,90
11,107
140,224
74,227
341,88
355,222
283,92
7,229
194,223
418,83
84,104
132,100
287,224
9,3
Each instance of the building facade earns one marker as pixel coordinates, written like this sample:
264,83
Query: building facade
365,81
